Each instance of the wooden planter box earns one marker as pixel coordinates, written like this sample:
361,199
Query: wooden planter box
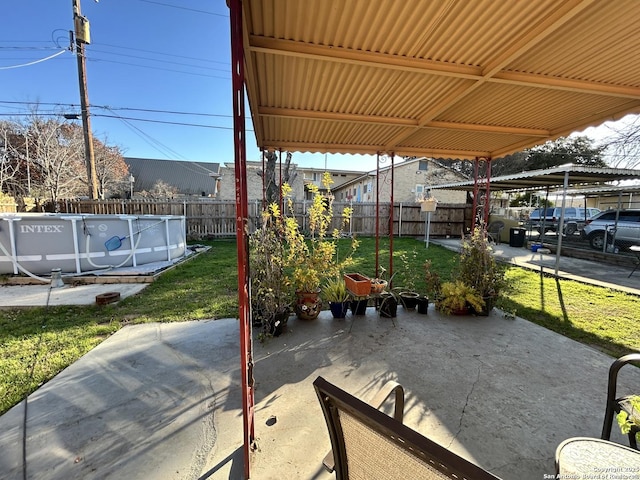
358,285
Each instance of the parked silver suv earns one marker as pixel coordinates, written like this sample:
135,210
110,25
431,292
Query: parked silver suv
625,233
574,218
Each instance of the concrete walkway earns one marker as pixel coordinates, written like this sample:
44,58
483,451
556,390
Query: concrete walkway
587,271
162,401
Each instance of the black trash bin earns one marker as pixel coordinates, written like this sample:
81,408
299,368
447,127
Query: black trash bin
516,237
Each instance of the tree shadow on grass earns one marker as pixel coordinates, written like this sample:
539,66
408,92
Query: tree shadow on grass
562,324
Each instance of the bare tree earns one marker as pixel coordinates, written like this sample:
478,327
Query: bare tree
160,189
43,157
623,145
271,182
9,159
56,153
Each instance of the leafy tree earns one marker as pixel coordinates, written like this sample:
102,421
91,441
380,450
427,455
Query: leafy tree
526,200
111,170
577,150
510,164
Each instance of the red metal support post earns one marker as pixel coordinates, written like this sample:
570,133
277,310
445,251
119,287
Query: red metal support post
280,181
242,223
391,218
476,191
487,192
378,214
264,192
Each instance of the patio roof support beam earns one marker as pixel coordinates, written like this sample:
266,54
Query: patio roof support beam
242,221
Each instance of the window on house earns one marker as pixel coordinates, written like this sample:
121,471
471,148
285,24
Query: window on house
423,165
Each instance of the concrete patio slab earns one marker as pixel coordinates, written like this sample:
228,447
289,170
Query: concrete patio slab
163,400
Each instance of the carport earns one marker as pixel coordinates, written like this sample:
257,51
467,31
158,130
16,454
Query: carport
466,79
565,177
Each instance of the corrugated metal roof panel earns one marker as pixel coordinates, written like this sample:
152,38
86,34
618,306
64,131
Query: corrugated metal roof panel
355,75
577,175
189,178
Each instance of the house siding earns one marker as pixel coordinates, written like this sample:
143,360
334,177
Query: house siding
408,178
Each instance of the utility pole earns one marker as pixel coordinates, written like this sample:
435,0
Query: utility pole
81,28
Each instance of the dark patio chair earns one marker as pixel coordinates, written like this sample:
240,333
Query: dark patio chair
617,404
367,443
494,230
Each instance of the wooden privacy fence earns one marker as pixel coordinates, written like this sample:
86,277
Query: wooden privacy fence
216,218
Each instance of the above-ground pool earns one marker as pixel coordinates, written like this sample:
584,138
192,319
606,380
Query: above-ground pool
37,243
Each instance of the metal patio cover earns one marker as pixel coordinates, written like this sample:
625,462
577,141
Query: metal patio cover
554,177
440,78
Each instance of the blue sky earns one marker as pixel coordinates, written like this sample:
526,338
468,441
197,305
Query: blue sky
145,57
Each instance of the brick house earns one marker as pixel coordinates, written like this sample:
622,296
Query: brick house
413,180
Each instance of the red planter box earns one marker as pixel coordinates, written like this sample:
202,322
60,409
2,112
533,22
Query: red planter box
358,285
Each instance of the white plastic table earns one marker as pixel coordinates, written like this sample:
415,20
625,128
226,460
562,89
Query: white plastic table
583,458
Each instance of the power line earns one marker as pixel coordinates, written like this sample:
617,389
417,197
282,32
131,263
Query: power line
34,62
92,59
156,60
164,111
185,8
29,48
184,124
160,53
108,107
154,143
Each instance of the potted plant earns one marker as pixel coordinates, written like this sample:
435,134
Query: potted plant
457,298
626,422
409,274
335,292
478,269
433,286
270,286
388,304
316,259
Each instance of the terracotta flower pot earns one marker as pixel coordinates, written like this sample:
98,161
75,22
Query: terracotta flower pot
308,305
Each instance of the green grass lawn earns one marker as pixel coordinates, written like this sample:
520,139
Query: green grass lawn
36,344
